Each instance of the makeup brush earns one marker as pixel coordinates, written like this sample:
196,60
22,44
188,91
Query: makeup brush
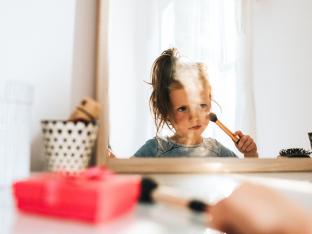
151,193
213,118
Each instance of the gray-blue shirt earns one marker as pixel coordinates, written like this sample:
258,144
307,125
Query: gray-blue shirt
164,147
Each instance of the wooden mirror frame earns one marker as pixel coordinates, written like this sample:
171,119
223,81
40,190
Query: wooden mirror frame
167,165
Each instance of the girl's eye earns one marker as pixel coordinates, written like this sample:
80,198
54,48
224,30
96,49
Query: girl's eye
204,106
182,109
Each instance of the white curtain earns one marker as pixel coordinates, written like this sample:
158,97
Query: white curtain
215,32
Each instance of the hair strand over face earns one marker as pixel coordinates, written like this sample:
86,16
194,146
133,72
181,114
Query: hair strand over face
162,79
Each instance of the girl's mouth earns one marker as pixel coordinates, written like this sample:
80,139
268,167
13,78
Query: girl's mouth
196,127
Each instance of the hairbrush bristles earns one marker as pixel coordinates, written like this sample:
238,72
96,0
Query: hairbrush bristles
295,152
213,117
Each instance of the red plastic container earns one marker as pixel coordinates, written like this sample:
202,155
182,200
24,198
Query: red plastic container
95,195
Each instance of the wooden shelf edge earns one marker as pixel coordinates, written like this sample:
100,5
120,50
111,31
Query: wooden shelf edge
208,165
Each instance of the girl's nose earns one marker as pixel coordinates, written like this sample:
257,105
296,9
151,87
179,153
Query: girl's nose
194,114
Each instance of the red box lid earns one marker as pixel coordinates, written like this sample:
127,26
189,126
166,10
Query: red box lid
95,195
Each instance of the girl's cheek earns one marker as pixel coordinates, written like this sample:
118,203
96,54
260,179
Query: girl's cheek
179,117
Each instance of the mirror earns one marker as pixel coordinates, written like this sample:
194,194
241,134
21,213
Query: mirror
258,56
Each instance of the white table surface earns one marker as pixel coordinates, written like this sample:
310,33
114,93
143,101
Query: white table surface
158,219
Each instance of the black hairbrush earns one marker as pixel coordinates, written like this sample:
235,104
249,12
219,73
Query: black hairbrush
295,153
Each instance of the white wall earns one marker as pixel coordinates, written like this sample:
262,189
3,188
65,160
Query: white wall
282,62
51,45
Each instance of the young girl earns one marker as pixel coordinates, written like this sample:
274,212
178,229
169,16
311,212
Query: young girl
181,100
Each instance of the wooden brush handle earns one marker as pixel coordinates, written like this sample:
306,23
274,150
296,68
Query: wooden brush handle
170,197
228,132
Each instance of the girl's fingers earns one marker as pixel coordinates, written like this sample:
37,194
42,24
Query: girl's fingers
248,146
247,143
239,133
251,147
243,142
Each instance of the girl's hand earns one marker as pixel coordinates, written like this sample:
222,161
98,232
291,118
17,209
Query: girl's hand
110,153
246,145
257,209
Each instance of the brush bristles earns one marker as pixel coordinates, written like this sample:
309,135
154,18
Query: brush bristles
295,152
148,186
213,117
197,206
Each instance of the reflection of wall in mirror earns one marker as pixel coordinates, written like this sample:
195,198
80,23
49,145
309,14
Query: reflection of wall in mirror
282,34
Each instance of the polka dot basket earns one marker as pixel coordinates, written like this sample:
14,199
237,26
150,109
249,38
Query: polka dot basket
68,145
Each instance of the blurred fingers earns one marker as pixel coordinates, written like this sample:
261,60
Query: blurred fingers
110,154
239,133
247,143
251,147
244,142
220,217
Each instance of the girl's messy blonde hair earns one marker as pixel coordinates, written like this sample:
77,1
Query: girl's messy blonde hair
164,79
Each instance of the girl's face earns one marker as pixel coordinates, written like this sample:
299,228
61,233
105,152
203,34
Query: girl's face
189,118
